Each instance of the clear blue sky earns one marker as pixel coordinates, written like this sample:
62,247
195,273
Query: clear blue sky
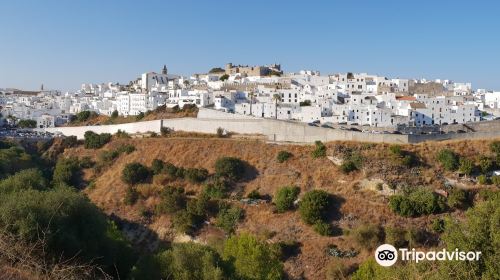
65,43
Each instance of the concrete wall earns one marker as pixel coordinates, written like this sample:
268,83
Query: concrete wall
275,130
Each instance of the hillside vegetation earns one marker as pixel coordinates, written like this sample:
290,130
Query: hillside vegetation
224,208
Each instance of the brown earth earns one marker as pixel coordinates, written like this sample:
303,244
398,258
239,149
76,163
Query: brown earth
356,206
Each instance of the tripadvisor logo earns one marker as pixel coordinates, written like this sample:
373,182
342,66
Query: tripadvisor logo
387,255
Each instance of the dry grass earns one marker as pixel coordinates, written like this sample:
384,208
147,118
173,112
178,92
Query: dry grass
364,207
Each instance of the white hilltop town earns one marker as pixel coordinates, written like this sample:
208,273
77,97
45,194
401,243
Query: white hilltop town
354,101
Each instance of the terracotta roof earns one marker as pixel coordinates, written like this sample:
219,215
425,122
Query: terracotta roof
417,105
407,98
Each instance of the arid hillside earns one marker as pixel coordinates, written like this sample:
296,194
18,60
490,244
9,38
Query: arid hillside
360,195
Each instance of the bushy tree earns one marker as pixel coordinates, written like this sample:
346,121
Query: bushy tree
196,175
466,166
114,114
173,199
230,167
416,203
67,172
285,197
72,226
314,206
458,198
13,159
228,218
157,166
23,180
93,140
486,164
26,124
134,173
252,259
448,159
85,115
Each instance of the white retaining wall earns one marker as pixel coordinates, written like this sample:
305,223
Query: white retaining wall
275,130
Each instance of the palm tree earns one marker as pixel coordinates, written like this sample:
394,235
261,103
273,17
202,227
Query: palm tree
276,98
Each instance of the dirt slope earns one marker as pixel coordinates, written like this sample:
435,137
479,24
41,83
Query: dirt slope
357,205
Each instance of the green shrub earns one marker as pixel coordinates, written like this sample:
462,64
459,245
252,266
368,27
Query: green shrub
368,236
283,156
448,159
157,166
173,199
85,115
220,132
458,198
416,203
314,206
190,260
323,228
26,124
483,179
114,114
396,150
24,180
67,172
216,190
70,224
196,175
228,218
95,141
183,222
86,162
416,236
348,166
13,159
495,147
134,173
230,167
396,236
495,180
466,166
252,258
127,149
122,134
352,161
140,116
285,198
486,164
319,150
131,196
438,225
254,194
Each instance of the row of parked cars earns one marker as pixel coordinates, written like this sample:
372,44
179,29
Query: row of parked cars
331,126
23,133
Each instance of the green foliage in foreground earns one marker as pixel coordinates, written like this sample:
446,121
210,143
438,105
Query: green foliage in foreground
416,203
479,232
243,257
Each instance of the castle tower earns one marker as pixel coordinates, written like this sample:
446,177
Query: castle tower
164,70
